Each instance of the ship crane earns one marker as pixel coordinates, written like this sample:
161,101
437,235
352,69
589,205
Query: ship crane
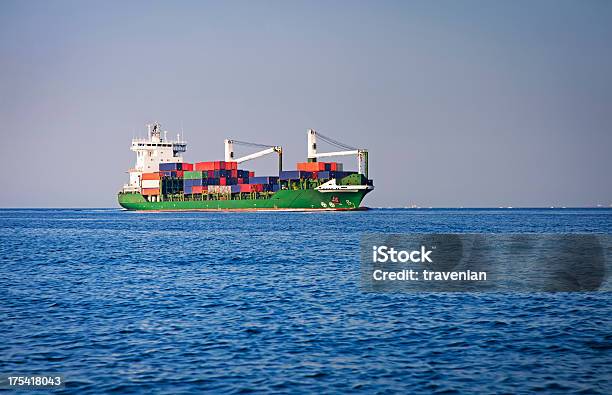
269,149
361,154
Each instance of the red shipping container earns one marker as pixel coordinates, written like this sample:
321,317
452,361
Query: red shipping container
210,173
311,166
150,191
251,187
223,181
251,174
234,173
231,165
199,189
188,166
219,165
150,176
201,166
334,166
179,173
315,175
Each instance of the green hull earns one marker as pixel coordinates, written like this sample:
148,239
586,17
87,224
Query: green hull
300,199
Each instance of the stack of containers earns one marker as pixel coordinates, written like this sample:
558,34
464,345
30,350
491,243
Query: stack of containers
295,175
311,166
223,189
251,188
318,167
217,165
267,184
172,177
263,180
242,176
172,169
171,186
198,189
170,166
214,177
149,184
193,185
219,173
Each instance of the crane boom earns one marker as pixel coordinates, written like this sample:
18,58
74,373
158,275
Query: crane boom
337,153
313,155
257,154
229,152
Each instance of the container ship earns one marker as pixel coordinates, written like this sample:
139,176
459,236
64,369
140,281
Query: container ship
162,181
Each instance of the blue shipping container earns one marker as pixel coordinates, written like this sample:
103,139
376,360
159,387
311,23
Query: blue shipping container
271,187
194,182
169,173
294,175
170,166
263,180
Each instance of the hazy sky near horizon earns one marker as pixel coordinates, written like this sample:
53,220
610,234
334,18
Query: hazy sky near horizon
460,103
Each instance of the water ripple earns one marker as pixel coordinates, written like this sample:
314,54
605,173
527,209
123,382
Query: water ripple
122,302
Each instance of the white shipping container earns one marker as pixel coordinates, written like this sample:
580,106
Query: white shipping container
150,183
219,189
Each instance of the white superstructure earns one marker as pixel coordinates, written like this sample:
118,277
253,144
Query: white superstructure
152,151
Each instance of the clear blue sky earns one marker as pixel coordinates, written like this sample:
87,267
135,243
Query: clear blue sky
461,103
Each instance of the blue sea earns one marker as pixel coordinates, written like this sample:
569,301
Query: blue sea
125,302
